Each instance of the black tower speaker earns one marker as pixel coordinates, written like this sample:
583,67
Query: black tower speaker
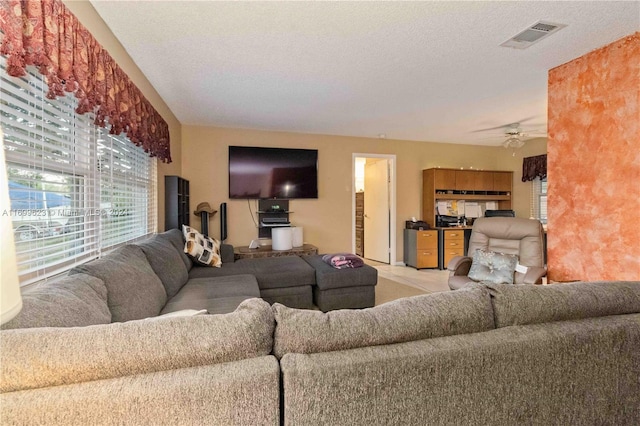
223,221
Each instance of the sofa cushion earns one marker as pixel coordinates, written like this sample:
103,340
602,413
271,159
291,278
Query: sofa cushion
176,238
533,304
402,320
166,263
271,272
71,301
277,272
84,354
219,295
328,277
134,291
239,267
202,249
493,267
300,297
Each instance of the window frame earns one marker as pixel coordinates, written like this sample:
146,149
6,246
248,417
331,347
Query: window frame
538,201
53,151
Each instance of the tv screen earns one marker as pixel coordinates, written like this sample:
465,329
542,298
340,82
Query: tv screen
261,173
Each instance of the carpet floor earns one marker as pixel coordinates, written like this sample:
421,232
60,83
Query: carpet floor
388,290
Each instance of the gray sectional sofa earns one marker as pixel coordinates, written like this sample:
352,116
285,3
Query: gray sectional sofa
489,354
155,277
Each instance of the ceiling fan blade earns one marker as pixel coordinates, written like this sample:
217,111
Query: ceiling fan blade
526,119
534,134
506,126
490,128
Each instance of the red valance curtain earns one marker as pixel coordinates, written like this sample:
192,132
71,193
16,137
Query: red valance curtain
533,167
46,34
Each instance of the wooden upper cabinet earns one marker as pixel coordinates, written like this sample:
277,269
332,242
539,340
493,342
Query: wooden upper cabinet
465,180
473,180
445,179
484,181
502,181
471,185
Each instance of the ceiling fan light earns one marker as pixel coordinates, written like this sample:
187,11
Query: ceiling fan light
513,142
518,143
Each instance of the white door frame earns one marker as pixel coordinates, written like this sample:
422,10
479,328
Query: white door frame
392,202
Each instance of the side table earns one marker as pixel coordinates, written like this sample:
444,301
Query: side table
244,252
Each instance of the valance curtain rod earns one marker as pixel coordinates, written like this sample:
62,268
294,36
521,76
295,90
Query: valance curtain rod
44,33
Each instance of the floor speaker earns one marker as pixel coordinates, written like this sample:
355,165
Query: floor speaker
223,221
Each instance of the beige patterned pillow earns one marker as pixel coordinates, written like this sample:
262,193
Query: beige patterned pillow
493,267
204,250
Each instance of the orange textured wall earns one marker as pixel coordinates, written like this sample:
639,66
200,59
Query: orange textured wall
594,165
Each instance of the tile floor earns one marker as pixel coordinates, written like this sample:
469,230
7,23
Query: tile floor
431,280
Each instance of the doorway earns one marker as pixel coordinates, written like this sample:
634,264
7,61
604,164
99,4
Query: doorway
374,207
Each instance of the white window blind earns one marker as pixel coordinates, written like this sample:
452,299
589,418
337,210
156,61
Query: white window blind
75,191
538,201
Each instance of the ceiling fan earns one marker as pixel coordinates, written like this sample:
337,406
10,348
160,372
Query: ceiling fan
515,136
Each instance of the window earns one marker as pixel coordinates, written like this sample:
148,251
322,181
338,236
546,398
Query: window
75,191
539,199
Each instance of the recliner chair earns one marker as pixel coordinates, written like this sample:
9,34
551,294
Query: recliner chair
509,235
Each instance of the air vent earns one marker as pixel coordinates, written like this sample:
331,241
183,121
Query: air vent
533,34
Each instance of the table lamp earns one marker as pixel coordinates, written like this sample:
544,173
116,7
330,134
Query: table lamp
10,298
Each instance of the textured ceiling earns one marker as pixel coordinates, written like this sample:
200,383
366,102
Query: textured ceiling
426,71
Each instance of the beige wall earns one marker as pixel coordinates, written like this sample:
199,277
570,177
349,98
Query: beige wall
327,220
200,155
88,16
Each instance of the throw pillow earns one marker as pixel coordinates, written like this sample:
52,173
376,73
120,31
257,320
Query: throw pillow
204,250
492,267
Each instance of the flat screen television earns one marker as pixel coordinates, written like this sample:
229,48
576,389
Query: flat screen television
262,173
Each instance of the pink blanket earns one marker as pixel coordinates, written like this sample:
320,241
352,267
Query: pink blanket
343,260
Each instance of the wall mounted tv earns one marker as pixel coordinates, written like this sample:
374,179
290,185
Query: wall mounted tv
262,173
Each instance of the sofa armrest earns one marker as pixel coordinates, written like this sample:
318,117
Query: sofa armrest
534,275
459,265
226,253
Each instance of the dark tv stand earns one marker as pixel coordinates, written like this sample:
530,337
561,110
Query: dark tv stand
272,214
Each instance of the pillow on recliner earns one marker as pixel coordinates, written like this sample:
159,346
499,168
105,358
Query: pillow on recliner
492,267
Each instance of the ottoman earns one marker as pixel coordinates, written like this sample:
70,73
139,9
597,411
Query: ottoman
287,280
351,288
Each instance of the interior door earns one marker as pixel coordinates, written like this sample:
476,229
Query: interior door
376,210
